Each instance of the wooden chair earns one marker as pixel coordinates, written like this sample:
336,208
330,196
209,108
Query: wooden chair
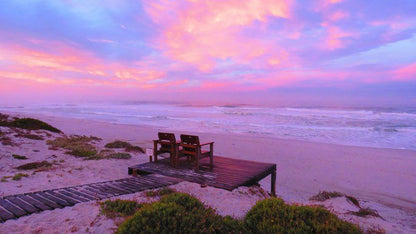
192,147
168,144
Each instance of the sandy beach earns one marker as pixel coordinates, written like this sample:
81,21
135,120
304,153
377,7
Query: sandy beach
381,179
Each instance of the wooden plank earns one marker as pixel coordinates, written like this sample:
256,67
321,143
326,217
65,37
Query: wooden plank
57,200
96,192
22,205
38,196
5,214
72,196
120,187
41,206
68,199
105,190
120,190
11,208
80,192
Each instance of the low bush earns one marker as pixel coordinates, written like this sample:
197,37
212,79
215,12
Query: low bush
178,213
325,195
32,124
274,216
34,165
160,192
364,212
19,176
29,136
77,145
20,157
123,144
119,208
117,144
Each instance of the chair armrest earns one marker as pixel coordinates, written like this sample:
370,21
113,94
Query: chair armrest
207,143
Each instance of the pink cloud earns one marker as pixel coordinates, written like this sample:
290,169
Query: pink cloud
66,64
204,31
405,73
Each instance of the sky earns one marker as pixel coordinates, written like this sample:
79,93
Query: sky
273,52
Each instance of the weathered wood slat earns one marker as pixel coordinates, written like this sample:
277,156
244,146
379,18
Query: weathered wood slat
227,173
5,214
22,204
14,206
35,203
72,196
45,200
55,199
11,208
80,194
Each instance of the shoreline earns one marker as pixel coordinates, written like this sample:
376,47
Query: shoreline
381,178
243,134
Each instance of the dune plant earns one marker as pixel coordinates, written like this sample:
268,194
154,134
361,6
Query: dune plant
177,213
119,208
34,165
19,176
32,124
274,216
325,195
159,192
117,144
76,145
20,157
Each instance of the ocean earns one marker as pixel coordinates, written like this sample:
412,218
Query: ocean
374,127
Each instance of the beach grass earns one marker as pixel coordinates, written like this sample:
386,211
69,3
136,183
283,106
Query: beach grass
79,146
34,165
117,144
19,157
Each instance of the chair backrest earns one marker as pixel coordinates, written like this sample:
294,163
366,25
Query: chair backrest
189,144
190,140
166,141
164,136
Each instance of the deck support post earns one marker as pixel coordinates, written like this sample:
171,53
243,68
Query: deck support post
273,183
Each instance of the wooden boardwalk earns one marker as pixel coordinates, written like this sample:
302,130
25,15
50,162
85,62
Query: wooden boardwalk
227,173
15,206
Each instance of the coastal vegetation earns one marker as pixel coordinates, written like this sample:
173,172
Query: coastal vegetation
26,123
20,157
183,213
34,165
117,144
79,146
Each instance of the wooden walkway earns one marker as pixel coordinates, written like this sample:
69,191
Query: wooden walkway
227,173
15,206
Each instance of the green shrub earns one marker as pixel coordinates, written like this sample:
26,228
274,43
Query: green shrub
325,195
122,144
77,145
20,157
119,208
18,176
160,192
184,200
274,216
34,165
117,144
364,212
32,124
178,213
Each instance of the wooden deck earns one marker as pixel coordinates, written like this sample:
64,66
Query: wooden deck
15,206
227,173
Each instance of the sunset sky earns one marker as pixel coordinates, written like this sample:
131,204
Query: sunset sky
256,51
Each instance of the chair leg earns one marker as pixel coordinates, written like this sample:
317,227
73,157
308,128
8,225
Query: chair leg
197,162
155,150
